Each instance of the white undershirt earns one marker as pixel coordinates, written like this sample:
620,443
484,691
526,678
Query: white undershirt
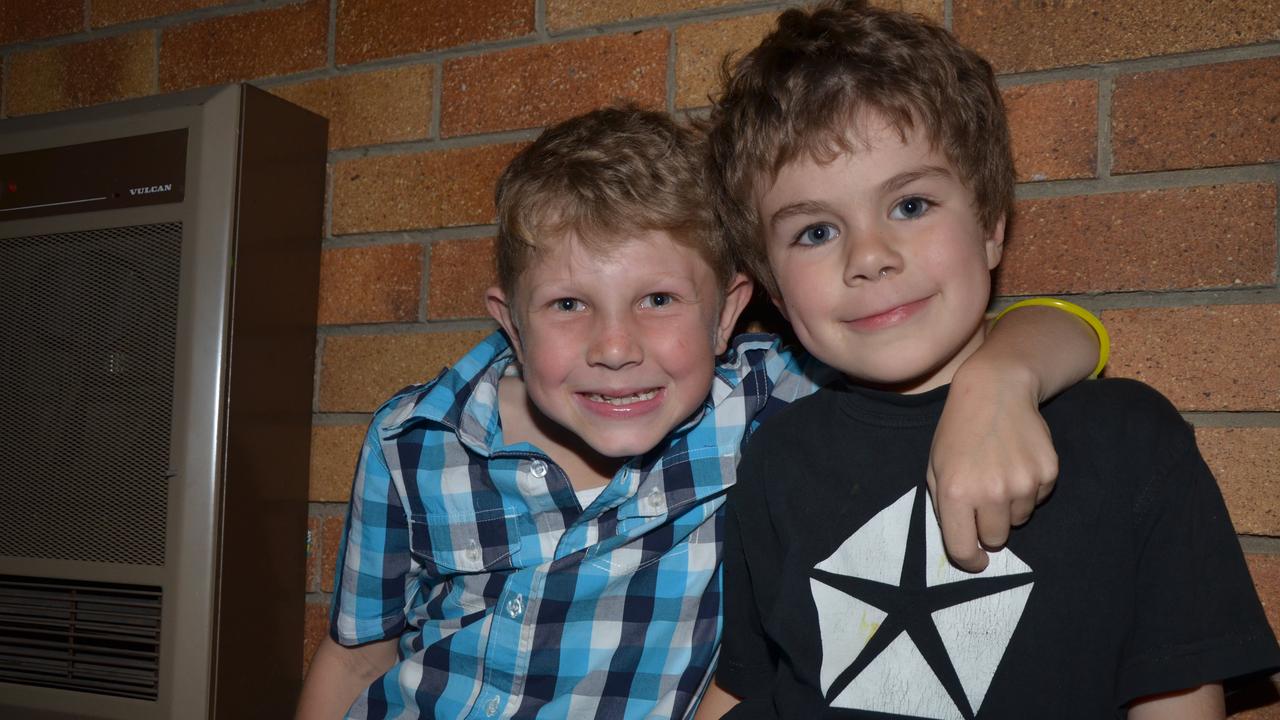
588,496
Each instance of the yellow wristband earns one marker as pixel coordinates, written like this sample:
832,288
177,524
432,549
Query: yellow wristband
1104,340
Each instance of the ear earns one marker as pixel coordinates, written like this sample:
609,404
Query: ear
500,309
736,297
994,244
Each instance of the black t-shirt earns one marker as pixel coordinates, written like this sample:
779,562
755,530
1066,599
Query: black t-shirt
839,602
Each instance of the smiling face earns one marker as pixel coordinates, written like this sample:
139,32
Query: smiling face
618,347
881,264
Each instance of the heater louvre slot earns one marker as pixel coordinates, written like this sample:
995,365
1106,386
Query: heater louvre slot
100,638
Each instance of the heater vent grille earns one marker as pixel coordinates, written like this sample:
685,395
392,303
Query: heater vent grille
88,324
100,638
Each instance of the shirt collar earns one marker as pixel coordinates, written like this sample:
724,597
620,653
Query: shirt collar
463,397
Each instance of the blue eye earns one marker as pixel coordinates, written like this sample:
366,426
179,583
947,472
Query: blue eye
817,234
910,208
657,300
567,304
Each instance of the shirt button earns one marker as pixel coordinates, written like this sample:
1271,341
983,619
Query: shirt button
491,707
655,498
538,469
473,550
515,606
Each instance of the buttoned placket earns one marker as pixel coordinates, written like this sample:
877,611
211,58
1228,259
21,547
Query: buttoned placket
514,604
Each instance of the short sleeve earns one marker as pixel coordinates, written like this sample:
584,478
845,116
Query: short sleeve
373,562
1197,616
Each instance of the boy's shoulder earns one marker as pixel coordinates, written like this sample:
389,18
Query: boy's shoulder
473,377
796,428
1117,412
769,367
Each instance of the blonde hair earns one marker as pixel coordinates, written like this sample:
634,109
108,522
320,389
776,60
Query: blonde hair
603,176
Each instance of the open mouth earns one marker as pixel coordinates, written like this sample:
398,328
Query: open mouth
623,400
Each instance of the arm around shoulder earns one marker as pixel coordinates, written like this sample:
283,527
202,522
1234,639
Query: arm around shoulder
339,674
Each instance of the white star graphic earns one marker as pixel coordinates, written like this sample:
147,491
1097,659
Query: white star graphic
904,631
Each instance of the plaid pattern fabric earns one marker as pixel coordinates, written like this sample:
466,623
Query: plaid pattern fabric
508,598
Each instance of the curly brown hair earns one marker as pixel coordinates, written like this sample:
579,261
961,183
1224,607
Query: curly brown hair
604,176
801,92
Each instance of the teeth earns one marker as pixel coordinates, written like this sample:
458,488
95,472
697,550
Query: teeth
623,399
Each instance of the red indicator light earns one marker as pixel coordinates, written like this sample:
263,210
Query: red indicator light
13,187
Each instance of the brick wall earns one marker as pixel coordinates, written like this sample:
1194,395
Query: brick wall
1147,138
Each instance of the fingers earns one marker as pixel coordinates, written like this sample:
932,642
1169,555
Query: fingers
960,536
1020,510
1047,476
993,522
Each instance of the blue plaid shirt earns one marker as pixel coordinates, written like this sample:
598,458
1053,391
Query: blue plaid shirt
509,599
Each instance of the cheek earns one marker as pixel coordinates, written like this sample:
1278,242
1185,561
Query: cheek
686,347
546,362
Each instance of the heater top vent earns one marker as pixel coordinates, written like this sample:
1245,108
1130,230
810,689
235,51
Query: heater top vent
87,344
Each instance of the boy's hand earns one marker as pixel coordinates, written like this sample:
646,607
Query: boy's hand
992,461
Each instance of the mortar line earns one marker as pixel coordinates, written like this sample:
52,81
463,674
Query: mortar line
1159,180
1106,86
431,327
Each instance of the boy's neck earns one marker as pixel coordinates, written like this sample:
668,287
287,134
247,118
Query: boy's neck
522,422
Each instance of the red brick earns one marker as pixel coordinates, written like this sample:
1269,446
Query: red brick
68,76
370,284
335,449
332,534
1203,237
315,629
23,20
700,49
370,30
114,12
1206,116
1245,460
369,108
1265,570
461,270
932,9
1055,129
1216,358
442,188
563,14
359,372
258,44
313,553
1020,36
533,86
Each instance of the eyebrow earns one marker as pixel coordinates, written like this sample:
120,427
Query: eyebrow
903,179
893,184
804,207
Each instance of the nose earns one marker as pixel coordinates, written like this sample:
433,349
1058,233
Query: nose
615,343
871,256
